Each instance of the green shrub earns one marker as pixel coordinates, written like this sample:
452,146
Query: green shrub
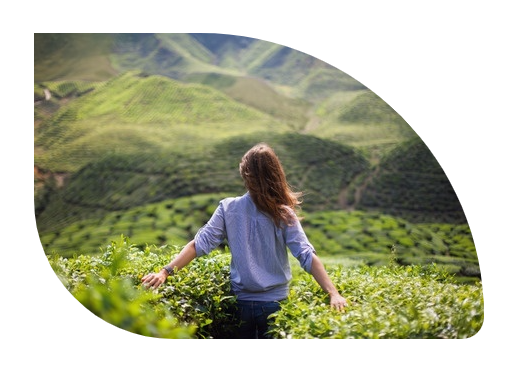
390,301
100,284
384,302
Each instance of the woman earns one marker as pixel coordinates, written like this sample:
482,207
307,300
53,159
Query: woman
259,227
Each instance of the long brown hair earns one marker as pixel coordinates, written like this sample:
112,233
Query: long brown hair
265,180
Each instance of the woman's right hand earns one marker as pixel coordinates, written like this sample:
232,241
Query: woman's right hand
153,280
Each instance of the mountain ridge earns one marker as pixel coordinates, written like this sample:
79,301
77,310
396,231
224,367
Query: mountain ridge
175,55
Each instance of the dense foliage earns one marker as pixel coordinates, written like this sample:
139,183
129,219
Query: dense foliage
361,236
384,302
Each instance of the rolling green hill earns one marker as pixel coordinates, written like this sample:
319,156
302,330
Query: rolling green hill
362,119
124,180
133,113
410,182
260,95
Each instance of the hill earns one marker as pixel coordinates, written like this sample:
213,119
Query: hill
134,113
123,180
260,95
361,119
409,182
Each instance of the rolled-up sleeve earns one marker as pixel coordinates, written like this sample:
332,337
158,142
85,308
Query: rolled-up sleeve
211,234
299,245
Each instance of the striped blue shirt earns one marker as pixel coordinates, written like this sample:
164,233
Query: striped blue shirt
260,270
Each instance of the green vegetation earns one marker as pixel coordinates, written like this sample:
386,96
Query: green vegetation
384,302
357,236
326,81
362,119
410,182
171,55
136,114
125,180
389,302
260,95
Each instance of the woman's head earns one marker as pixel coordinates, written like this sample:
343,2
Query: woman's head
265,180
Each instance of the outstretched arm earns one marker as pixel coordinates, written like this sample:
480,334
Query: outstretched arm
188,253
323,279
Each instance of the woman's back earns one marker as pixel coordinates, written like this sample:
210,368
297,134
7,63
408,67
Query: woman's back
260,270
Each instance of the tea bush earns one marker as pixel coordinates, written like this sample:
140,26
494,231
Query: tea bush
392,301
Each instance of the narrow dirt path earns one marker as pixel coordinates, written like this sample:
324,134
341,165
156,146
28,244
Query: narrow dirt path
313,121
343,194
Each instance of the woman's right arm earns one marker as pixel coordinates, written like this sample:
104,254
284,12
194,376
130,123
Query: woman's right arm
322,278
